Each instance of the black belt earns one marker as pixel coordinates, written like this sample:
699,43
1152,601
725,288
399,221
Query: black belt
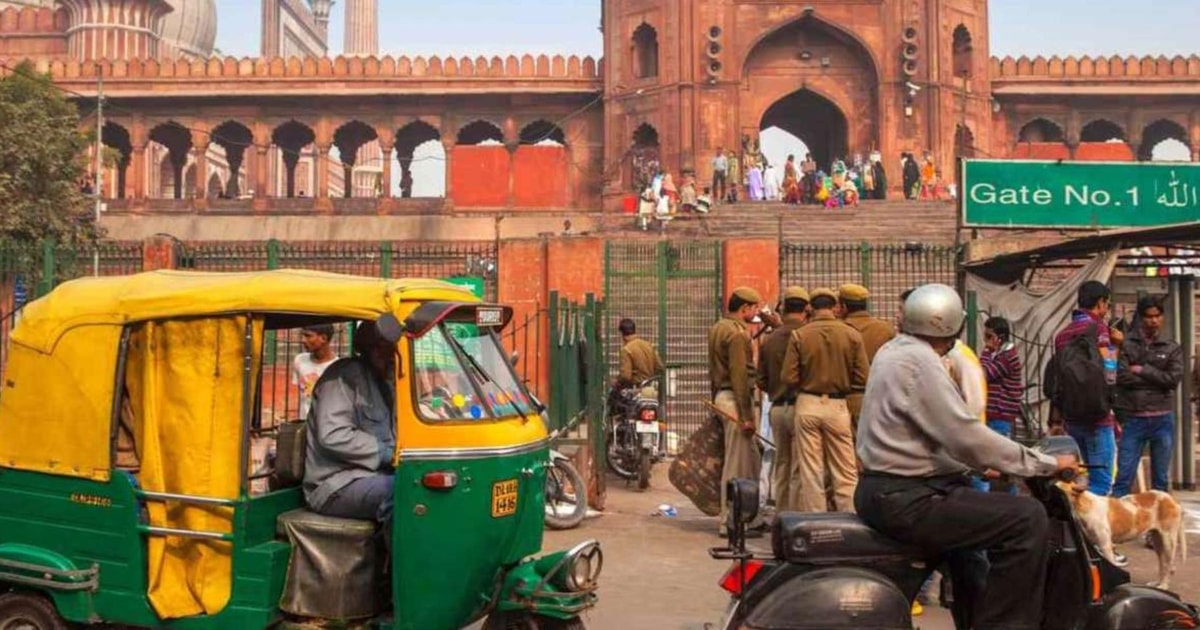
784,401
822,395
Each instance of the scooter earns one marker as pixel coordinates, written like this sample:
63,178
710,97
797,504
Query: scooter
833,571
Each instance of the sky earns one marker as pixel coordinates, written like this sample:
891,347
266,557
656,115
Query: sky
474,27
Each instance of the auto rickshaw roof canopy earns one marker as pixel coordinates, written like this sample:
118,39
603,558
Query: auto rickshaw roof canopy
157,295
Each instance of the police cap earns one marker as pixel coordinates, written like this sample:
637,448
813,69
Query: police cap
796,293
748,295
853,293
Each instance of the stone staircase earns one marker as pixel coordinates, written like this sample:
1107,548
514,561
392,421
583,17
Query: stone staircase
932,223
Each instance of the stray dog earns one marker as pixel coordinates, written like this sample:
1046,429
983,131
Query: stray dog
1108,521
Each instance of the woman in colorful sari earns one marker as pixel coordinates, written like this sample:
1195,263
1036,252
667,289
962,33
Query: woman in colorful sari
791,181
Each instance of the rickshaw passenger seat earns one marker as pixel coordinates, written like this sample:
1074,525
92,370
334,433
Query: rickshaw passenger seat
289,454
335,568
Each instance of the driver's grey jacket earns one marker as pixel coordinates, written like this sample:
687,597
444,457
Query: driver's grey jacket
914,422
351,430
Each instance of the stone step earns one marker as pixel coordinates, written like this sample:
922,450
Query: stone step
870,221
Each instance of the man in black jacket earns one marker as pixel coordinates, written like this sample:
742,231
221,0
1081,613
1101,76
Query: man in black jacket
1150,370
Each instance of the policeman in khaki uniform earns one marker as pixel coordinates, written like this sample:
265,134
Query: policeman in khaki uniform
731,371
875,332
826,361
786,467
639,359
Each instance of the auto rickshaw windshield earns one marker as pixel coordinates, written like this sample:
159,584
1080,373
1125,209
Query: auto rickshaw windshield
463,374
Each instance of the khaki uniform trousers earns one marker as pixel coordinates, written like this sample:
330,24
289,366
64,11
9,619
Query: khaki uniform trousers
785,470
825,444
742,458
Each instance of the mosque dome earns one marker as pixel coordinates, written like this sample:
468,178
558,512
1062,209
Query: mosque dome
189,30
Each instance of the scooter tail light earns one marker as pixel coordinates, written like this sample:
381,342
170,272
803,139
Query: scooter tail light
440,480
1096,583
737,576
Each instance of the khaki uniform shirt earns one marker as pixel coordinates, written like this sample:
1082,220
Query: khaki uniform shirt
730,363
639,361
770,361
826,357
875,332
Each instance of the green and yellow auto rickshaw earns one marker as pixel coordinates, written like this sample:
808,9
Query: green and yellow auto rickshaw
128,495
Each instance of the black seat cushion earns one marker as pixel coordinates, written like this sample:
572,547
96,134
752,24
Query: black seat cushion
832,537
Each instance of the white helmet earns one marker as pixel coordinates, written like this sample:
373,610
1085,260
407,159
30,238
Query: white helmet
934,310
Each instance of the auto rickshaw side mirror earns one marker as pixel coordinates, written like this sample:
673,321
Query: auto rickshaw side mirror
389,328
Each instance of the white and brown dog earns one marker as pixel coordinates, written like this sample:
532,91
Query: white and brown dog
1108,521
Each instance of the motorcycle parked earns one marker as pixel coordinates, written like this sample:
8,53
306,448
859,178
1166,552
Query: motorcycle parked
634,434
566,492
833,571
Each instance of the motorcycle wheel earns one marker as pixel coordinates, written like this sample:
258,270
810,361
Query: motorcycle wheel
566,496
619,459
644,463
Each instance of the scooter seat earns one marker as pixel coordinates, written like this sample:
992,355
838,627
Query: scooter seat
829,538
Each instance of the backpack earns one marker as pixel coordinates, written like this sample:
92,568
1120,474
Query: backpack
1074,380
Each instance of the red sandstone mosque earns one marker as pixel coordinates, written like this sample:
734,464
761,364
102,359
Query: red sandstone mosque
281,144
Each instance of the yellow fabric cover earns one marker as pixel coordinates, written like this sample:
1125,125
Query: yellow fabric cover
119,300
56,410
186,386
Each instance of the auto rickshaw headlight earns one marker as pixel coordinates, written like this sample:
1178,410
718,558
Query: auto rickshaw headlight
579,568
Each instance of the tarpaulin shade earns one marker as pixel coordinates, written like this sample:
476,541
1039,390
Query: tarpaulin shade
186,384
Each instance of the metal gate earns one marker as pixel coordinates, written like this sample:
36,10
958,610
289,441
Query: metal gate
672,290
887,270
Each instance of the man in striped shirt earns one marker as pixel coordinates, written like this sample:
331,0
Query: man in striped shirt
1002,366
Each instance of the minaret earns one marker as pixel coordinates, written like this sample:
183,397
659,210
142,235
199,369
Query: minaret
362,28
104,29
320,11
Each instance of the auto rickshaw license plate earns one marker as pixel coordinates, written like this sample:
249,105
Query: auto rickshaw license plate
504,498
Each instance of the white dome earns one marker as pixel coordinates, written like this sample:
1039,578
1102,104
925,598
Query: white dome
190,29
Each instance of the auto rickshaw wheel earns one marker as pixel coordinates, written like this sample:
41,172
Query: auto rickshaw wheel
27,611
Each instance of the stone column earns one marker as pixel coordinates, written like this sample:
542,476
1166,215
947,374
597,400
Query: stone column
388,157
258,173
322,195
448,148
200,154
512,176
138,165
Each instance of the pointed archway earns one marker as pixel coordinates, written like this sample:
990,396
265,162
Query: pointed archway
814,120
818,81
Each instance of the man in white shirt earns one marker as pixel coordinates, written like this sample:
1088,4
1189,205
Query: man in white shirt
308,366
720,165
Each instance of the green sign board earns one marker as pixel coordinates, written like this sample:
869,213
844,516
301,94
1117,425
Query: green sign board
1050,194
474,284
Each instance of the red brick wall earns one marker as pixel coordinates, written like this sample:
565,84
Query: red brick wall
1042,151
479,176
753,263
522,285
1103,152
540,177
575,267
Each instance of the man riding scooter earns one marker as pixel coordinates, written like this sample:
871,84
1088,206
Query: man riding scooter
918,444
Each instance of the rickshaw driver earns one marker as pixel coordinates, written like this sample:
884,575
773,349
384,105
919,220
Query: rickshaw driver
352,434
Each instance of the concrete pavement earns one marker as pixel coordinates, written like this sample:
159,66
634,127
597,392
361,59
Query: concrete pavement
658,575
